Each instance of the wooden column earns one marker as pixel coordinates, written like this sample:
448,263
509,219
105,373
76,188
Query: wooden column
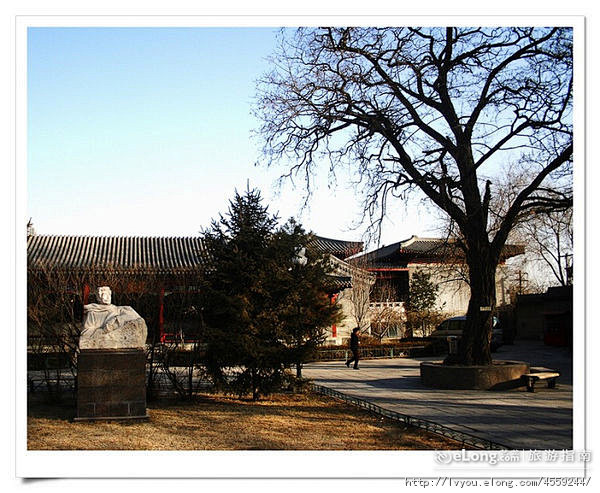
332,299
85,296
161,314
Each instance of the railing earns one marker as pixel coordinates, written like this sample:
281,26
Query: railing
464,438
37,381
387,304
180,355
367,352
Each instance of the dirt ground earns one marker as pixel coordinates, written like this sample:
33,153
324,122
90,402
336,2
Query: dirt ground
214,422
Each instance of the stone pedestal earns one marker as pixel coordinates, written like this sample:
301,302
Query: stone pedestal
500,375
111,384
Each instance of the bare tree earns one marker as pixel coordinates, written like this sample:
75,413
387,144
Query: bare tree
179,358
549,236
53,324
359,295
386,312
434,110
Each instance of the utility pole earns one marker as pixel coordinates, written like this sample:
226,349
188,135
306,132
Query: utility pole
522,279
568,267
520,282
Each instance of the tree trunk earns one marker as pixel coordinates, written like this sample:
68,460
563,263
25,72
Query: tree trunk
254,385
474,346
299,347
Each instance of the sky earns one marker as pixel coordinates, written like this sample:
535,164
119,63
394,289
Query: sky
147,131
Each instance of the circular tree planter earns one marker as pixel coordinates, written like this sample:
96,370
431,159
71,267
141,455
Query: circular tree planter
500,375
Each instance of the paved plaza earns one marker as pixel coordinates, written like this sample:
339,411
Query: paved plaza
515,418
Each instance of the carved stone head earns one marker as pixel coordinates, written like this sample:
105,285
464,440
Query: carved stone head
104,295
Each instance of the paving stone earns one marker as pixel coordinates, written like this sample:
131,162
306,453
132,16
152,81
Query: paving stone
516,418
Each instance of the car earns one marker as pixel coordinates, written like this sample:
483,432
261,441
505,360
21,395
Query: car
454,327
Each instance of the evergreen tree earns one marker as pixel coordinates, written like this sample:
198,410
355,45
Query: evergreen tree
423,294
255,295
308,307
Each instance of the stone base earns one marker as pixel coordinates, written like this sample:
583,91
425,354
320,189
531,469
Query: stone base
111,384
500,375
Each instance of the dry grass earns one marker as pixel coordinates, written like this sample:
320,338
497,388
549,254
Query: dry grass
283,422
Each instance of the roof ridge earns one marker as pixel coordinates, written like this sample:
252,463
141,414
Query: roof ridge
163,253
414,238
336,239
113,236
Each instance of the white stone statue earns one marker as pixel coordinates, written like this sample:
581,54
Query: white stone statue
106,326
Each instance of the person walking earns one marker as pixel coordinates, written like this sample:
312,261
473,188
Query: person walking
354,348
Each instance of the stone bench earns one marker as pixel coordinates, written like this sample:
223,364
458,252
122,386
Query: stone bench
540,374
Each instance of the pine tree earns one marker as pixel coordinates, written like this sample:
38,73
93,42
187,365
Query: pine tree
423,294
308,306
263,309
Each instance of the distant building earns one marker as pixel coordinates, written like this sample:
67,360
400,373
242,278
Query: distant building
168,262
361,282
354,286
340,249
546,317
395,264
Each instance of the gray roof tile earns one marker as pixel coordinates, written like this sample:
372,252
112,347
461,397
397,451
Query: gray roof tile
118,253
162,255
397,254
339,248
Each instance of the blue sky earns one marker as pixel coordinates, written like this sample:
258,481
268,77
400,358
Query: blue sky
146,131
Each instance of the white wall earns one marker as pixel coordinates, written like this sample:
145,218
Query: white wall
348,322
454,293
453,298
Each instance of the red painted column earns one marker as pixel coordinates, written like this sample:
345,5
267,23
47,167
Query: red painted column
332,299
161,314
85,295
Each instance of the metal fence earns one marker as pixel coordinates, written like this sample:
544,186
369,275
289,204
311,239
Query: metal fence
181,355
61,380
465,439
366,352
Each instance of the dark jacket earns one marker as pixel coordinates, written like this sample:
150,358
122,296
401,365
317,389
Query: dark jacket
354,340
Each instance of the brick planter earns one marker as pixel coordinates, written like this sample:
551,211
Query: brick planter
500,375
111,384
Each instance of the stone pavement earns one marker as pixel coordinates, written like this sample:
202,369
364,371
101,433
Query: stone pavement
515,418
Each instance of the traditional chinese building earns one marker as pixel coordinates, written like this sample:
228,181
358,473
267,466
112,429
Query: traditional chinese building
395,264
165,270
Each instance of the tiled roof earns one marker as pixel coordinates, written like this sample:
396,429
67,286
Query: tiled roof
442,247
117,253
160,255
416,248
342,268
339,248
424,245
375,257
338,283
